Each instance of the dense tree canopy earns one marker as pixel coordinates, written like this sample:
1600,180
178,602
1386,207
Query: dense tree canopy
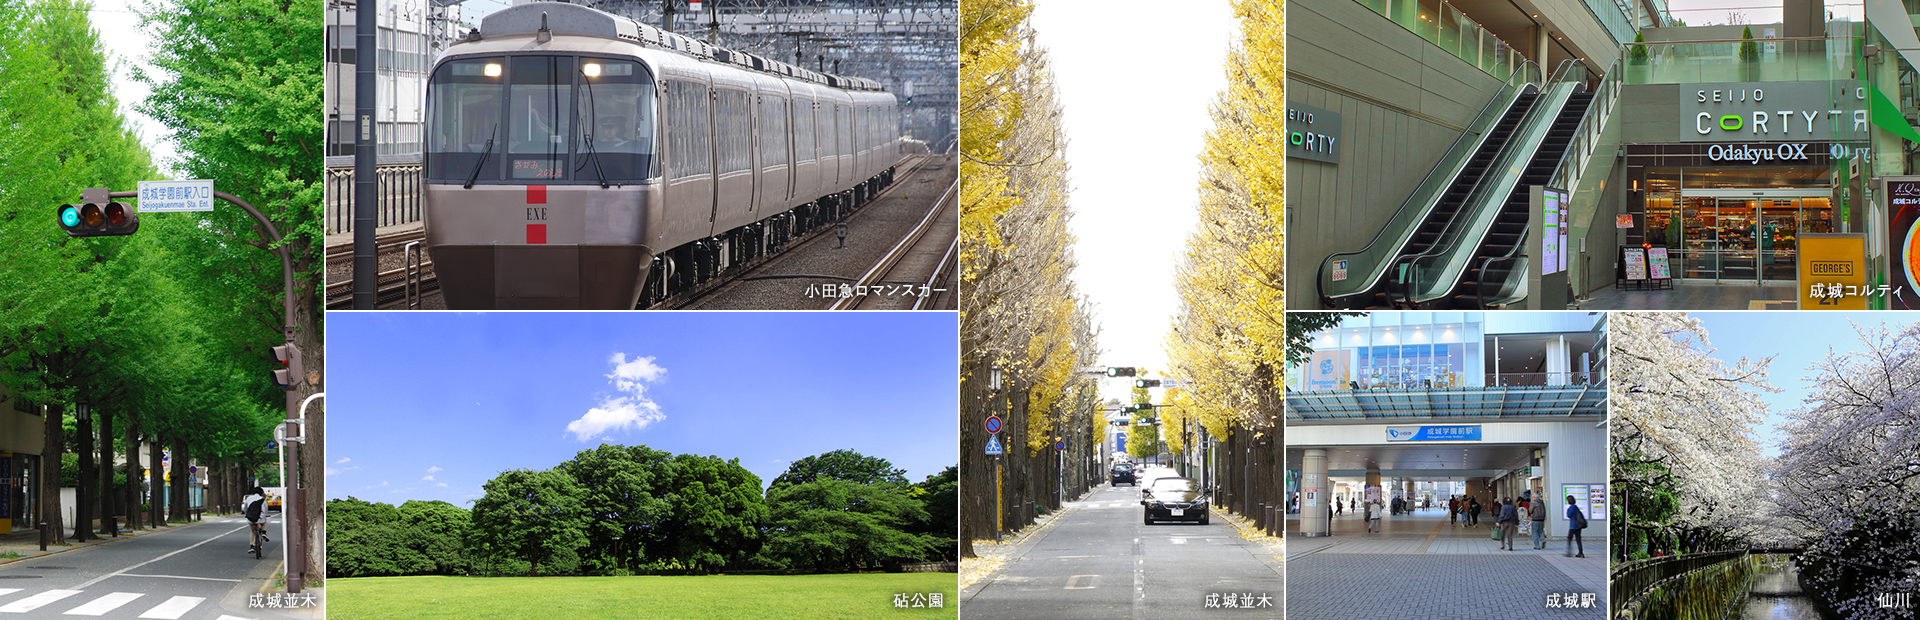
618,510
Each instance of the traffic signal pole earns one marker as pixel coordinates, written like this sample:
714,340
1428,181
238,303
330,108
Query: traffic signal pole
366,189
295,523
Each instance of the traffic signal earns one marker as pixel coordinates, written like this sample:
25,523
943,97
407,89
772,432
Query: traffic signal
1146,383
1120,372
290,372
98,219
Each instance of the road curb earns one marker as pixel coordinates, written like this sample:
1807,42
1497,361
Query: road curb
103,541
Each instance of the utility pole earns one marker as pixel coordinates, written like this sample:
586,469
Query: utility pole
366,187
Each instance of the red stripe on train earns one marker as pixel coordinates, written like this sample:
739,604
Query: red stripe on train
536,194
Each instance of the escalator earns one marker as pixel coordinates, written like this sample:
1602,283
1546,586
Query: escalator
1493,264
1472,236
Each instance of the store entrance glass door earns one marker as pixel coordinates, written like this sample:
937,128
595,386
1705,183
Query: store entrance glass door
1718,239
1750,236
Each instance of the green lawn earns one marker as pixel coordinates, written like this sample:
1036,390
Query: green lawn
715,597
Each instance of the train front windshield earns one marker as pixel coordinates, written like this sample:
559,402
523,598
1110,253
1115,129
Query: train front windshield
540,119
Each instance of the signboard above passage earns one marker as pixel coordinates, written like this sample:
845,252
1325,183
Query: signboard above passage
1469,432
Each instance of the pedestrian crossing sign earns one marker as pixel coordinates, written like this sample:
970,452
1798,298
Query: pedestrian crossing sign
993,445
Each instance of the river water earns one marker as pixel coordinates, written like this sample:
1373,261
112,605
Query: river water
1776,595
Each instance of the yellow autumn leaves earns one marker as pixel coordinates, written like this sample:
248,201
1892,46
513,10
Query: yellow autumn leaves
1021,314
1229,339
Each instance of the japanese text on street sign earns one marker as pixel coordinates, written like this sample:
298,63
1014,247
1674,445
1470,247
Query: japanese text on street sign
157,196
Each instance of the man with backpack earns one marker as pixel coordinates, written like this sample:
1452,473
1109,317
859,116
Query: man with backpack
254,506
1576,521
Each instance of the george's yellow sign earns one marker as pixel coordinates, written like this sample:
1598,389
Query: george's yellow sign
1833,271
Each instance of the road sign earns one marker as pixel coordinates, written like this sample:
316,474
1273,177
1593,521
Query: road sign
993,444
195,195
993,424
1060,445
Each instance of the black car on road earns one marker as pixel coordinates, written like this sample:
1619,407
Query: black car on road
1124,473
1175,499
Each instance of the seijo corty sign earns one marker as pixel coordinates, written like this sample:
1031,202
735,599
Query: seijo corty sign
1773,111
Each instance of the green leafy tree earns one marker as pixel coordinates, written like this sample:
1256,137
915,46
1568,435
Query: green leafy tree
716,514
625,499
1142,438
530,520
435,532
941,495
830,524
846,511
363,539
840,465
243,101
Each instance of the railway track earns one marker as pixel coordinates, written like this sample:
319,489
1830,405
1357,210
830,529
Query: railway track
392,283
918,265
747,271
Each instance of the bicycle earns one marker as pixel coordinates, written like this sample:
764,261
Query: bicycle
259,531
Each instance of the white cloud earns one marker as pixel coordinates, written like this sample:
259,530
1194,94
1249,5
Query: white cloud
434,470
629,410
443,485
427,478
342,460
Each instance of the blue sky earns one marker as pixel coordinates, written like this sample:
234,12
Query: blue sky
1795,340
431,405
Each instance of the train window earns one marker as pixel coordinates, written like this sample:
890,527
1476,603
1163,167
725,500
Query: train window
463,116
773,131
803,131
689,150
540,111
616,113
731,124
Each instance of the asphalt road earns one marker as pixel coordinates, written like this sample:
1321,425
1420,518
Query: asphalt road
202,572
1097,559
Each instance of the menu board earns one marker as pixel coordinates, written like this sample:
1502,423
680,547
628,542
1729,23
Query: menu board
1657,259
1636,261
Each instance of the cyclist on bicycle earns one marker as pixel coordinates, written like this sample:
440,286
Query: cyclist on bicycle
254,505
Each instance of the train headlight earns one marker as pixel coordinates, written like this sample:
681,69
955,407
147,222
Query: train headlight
592,69
493,69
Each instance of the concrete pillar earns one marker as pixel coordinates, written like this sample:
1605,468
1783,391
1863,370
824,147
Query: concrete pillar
1540,53
1559,362
1314,495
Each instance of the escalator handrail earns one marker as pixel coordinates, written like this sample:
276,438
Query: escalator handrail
1455,227
1479,288
1604,100
1508,91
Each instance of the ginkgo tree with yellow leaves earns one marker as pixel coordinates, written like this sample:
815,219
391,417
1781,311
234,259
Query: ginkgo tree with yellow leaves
1229,340
1026,334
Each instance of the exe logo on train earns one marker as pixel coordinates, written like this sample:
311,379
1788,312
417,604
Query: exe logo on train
1780,110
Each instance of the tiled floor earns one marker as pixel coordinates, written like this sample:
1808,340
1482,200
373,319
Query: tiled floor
1696,296
1422,566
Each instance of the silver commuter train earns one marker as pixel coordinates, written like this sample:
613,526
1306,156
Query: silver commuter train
577,159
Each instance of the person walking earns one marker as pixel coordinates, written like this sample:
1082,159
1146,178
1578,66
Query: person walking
1368,516
1453,511
1473,512
1338,508
1576,521
1508,521
1537,512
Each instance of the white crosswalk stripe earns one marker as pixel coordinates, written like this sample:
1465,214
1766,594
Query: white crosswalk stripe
36,601
6,591
104,604
173,608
